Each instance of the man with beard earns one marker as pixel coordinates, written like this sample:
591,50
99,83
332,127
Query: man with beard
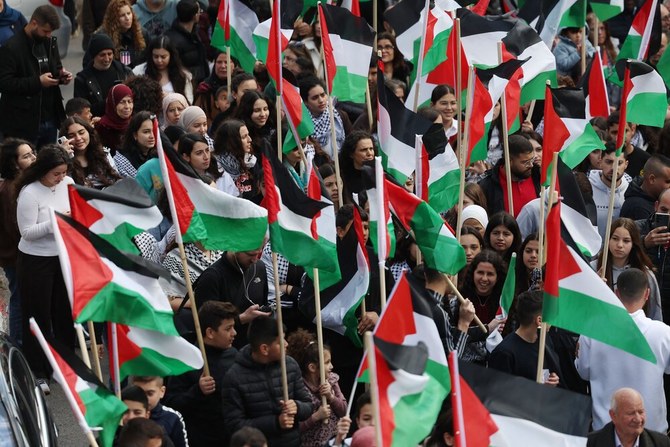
31,71
601,182
525,178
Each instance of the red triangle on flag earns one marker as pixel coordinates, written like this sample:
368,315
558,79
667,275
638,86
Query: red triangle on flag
555,134
328,53
80,210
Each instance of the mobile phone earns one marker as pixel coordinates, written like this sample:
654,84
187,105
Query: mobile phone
62,140
661,220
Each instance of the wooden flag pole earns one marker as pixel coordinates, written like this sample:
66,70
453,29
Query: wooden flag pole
180,244
229,74
544,327
508,169
461,300
531,109
82,344
319,336
422,47
333,133
115,361
74,406
459,88
374,388
540,235
94,350
194,307
374,18
610,211
368,106
279,140
418,178
585,40
463,151
381,229
596,31
280,328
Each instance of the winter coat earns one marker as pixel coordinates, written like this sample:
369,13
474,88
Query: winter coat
86,85
637,204
191,50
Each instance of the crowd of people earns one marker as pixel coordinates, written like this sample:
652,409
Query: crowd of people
150,60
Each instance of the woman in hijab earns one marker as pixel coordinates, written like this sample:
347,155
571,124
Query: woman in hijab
118,110
194,120
173,106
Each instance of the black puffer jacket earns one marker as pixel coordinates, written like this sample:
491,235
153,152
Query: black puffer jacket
251,395
192,52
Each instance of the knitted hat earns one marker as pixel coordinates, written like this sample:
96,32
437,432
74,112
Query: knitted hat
475,212
99,42
189,115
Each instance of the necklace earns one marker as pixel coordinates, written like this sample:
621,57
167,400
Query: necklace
479,298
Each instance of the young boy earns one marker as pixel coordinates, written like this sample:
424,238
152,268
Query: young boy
169,419
196,396
81,108
252,390
138,408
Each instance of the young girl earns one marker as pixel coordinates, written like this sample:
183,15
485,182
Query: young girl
503,235
234,156
443,99
163,65
626,251
92,165
254,109
139,145
302,346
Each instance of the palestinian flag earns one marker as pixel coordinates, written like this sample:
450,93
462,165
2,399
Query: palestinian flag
204,214
644,36
148,353
606,9
347,42
595,88
116,214
568,130
498,409
407,322
383,242
644,99
397,127
324,228
88,397
437,175
441,250
261,34
509,287
290,215
105,284
339,302
577,300
545,17
238,26
407,18
352,6
663,68
490,85
219,35
439,59
481,7
480,37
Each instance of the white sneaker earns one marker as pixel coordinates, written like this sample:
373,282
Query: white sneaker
44,386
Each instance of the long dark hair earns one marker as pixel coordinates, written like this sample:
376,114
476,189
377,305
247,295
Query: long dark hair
9,153
176,70
49,157
186,144
637,258
243,112
469,290
507,221
228,139
398,57
95,154
129,147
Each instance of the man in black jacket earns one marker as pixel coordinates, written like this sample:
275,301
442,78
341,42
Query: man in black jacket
196,396
252,389
525,178
185,39
641,194
627,426
101,73
31,104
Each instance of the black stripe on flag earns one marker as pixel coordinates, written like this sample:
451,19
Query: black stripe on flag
125,261
569,102
537,11
506,395
473,24
520,37
504,71
346,256
637,68
412,359
435,140
292,196
349,27
77,364
405,124
126,192
403,15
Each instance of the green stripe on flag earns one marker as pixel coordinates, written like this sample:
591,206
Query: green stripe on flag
239,50
630,47
443,194
582,146
640,105
117,303
607,322
509,287
439,247
122,237
302,248
534,89
348,86
153,363
481,148
243,235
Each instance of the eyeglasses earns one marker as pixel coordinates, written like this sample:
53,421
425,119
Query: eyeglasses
528,163
386,47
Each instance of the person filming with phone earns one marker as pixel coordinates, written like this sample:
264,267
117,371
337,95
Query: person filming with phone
30,75
655,233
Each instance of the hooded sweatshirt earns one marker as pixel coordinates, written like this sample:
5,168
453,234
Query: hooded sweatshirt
601,197
638,204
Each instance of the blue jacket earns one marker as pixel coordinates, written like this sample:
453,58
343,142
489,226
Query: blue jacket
172,423
567,55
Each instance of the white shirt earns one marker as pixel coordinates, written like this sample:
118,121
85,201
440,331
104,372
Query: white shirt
618,443
33,214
